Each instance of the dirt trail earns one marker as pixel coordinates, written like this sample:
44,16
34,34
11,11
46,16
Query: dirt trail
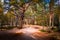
29,33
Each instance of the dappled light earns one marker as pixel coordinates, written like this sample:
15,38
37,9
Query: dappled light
29,30
29,19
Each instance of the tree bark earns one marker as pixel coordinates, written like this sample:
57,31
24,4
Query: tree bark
51,12
22,11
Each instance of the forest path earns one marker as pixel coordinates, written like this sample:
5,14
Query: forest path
28,33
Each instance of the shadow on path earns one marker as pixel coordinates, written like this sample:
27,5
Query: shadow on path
15,37
25,35
12,36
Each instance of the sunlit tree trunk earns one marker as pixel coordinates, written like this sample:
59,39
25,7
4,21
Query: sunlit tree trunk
51,15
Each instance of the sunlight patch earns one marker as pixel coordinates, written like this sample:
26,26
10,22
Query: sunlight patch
29,30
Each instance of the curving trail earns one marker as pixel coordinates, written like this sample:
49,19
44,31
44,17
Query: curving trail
23,34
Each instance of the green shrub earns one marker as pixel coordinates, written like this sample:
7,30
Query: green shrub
43,30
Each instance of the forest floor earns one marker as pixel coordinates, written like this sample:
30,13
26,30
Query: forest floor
27,33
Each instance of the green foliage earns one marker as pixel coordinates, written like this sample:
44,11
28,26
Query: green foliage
35,10
7,28
55,29
4,19
13,2
43,30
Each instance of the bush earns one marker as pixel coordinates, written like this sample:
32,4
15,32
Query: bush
43,30
7,28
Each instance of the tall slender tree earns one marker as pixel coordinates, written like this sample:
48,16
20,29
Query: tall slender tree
51,15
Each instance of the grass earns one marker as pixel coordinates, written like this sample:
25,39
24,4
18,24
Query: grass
43,30
7,28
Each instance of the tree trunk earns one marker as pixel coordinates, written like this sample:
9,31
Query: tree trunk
51,12
21,19
16,21
59,21
22,11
